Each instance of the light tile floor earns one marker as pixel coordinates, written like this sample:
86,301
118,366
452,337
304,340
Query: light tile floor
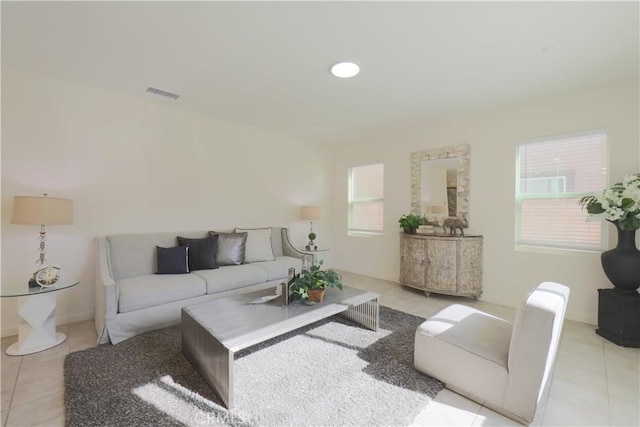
596,383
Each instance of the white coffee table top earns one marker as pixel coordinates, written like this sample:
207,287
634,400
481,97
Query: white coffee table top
238,324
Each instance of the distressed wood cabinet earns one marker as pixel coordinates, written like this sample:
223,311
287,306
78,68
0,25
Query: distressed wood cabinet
442,264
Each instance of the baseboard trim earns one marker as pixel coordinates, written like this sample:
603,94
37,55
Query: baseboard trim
60,320
373,276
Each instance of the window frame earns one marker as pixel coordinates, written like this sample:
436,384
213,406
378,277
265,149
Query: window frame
355,232
522,244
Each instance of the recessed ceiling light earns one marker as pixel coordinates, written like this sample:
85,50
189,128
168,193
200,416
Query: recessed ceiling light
345,70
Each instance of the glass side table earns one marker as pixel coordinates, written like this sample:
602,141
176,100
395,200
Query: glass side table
313,252
37,332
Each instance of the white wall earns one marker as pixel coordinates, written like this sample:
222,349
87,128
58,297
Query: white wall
137,165
508,274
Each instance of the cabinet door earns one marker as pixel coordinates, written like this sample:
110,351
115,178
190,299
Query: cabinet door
470,268
442,265
413,256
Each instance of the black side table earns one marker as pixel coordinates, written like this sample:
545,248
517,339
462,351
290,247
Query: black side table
619,317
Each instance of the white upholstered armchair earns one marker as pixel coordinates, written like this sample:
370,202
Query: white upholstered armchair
505,366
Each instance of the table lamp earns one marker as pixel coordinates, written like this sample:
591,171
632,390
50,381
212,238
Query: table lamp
311,213
42,211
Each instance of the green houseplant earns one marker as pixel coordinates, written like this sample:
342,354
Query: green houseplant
410,222
619,204
310,286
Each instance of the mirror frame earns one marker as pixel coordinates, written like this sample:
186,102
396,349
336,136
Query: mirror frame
461,152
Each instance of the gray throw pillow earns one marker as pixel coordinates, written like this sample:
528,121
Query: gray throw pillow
173,260
231,248
202,252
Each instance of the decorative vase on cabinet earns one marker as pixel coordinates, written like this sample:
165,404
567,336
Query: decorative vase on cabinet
449,265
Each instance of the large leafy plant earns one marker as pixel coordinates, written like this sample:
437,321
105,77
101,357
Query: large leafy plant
619,204
315,278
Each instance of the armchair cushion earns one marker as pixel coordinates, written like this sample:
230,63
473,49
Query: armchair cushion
461,342
471,330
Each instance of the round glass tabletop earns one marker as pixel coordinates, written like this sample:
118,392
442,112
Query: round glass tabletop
25,290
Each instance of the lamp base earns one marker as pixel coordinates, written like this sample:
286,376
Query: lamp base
33,283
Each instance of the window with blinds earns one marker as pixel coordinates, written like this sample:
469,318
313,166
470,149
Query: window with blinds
552,174
366,200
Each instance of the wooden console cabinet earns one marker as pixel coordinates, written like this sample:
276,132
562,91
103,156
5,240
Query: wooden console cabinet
442,264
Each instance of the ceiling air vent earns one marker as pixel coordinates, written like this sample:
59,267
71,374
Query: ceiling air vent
160,92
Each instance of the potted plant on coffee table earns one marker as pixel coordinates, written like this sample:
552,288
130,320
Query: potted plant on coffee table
310,286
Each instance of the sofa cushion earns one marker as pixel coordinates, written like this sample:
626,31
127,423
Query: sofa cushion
231,248
202,252
153,289
276,241
232,277
173,260
135,254
258,247
279,269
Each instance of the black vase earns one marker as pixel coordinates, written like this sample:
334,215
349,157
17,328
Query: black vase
622,263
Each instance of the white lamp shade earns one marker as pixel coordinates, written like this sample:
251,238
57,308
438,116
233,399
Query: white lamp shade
310,213
42,211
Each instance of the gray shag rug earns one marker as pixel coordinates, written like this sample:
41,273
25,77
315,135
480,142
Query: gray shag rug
331,373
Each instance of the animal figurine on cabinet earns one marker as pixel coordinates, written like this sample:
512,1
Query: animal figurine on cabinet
453,223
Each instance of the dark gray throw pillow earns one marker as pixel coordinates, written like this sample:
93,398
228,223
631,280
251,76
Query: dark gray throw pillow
231,247
173,260
202,252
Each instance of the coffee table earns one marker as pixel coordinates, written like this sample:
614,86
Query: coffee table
213,332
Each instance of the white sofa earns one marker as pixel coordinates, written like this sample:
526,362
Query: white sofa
502,365
131,299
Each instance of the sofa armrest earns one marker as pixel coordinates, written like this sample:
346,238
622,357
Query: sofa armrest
287,248
106,291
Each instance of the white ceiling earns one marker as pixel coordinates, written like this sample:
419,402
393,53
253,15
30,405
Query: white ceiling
267,64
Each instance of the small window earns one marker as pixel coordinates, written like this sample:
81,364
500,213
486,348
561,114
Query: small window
552,174
366,205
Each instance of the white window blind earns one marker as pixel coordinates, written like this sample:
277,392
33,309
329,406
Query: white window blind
366,200
552,174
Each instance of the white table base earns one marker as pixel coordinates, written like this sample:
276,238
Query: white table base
38,331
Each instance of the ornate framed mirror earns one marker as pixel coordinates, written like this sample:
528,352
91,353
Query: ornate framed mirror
440,182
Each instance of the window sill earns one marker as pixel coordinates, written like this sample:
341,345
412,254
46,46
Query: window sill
549,250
